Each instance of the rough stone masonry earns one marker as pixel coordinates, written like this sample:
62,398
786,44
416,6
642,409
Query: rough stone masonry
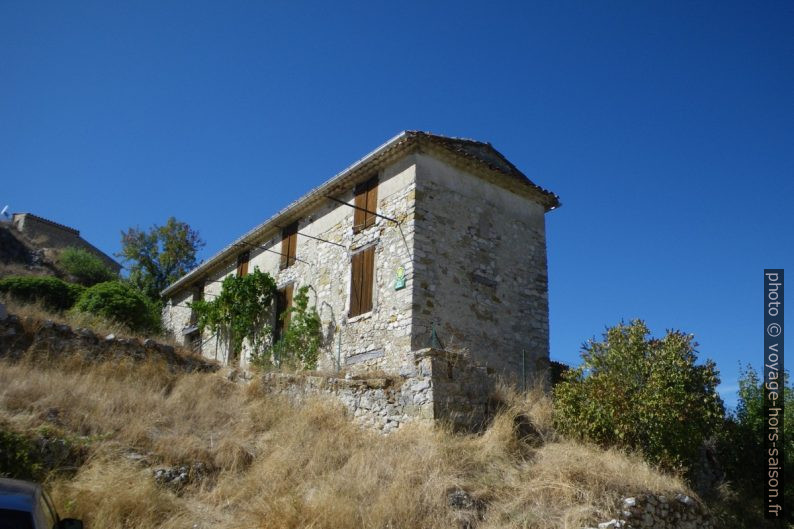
452,240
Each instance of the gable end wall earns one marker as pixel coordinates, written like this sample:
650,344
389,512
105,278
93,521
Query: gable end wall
480,273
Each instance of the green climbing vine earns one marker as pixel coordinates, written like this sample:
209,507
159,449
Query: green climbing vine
243,313
299,347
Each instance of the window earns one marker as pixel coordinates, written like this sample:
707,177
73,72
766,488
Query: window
366,202
283,302
198,295
289,244
193,338
242,263
361,280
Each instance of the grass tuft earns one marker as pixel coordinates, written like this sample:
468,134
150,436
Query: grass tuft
269,464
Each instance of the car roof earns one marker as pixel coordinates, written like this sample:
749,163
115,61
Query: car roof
17,494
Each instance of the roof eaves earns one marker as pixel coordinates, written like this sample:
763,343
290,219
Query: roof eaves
317,193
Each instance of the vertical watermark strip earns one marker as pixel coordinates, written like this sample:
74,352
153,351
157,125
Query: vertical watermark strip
773,392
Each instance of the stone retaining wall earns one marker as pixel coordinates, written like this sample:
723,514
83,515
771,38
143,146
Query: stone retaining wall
649,511
440,386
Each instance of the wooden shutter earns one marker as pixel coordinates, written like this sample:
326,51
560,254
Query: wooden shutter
242,263
362,270
289,245
367,279
366,204
283,302
198,295
355,284
372,202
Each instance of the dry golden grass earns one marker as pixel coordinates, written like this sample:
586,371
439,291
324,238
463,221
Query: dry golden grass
276,466
101,326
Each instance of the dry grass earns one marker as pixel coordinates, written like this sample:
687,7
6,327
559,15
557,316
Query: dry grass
76,320
275,466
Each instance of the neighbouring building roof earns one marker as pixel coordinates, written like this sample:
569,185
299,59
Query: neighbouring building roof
475,156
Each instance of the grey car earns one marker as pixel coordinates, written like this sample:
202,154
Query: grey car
25,505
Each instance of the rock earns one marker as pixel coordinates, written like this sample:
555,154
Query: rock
459,499
179,476
686,500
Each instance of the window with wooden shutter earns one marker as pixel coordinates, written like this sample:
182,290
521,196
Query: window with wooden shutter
362,279
289,245
283,302
242,263
366,202
198,295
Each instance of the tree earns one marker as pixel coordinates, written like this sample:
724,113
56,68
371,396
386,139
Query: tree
84,267
741,440
641,393
122,303
158,257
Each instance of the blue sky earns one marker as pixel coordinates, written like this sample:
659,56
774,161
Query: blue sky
667,129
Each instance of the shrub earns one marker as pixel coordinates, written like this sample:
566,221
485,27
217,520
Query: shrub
51,292
120,302
85,267
300,345
17,456
642,393
741,448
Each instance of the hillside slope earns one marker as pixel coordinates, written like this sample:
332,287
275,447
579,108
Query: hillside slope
143,447
19,257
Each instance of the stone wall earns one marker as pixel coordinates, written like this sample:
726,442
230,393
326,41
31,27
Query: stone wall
440,387
480,270
652,511
378,339
51,236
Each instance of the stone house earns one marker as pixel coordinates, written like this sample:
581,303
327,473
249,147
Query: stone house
428,243
51,237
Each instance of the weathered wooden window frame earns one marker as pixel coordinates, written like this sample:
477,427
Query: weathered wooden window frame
360,302
242,263
289,245
283,301
365,200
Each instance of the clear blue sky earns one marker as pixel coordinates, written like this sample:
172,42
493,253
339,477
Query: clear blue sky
667,129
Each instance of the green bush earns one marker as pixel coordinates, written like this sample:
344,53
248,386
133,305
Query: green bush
741,450
85,267
641,393
18,457
300,345
122,303
51,292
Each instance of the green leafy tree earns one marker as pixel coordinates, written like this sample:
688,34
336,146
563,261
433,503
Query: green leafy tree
122,303
85,267
242,311
300,345
642,393
158,257
741,440
51,292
